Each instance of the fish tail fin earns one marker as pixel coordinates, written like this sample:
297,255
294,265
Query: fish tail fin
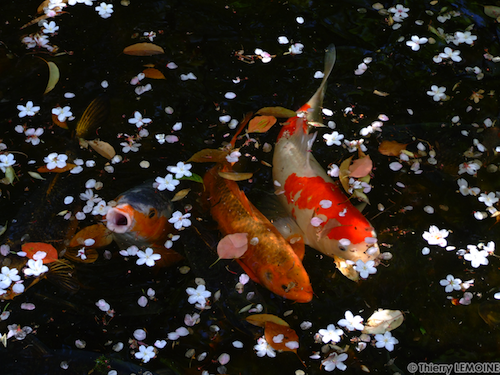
61,273
313,106
94,114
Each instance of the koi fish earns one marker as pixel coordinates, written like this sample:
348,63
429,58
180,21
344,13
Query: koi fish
325,215
269,260
140,218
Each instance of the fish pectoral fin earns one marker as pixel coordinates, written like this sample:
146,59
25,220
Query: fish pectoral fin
298,245
248,271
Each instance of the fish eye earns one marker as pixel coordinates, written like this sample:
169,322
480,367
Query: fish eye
342,248
152,213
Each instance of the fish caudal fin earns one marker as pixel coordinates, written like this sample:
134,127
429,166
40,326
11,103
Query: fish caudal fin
313,106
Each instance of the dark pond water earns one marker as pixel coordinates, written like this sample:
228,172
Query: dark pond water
205,38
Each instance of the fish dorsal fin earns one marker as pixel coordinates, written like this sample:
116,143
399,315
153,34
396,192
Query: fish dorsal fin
316,101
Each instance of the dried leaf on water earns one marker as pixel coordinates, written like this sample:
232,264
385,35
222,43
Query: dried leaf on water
98,232
383,320
31,248
153,73
233,246
279,112
102,148
261,124
56,121
53,76
492,11
209,155
35,175
235,176
273,332
391,148
344,173
260,320
361,167
66,168
90,255
180,195
143,49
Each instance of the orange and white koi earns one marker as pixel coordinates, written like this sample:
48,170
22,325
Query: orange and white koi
269,259
140,218
327,218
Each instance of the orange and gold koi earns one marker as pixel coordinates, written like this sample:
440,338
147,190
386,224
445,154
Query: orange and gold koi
325,215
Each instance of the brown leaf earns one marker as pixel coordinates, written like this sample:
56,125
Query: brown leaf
209,155
44,169
391,148
380,93
235,176
260,320
261,124
56,121
143,49
361,167
90,255
279,112
98,232
344,173
31,248
233,246
180,195
272,332
102,148
153,73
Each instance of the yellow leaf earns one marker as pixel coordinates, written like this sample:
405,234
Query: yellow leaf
153,73
260,320
344,173
383,320
380,93
180,195
235,176
279,112
346,269
53,76
277,336
102,148
261,124
143,49
209,155
35,175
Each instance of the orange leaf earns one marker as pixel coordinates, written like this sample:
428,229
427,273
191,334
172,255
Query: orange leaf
153,73
261,124
233,246
98,232
260,320
277,112
56,121
278,336
44,169
361,167
143,49
391,148
31,248
209,155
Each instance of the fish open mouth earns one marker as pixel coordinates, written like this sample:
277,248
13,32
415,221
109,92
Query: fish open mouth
118,220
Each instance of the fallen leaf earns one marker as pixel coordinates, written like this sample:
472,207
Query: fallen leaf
344,173
492,11
233,246
143,49
56,121
102,148
235,176
261,124
98,232
279,112
180,195
391,148
380,93
53,76
31,248
383,320
35,175
68,167
153,73
272,332
260,320
361,167
10,175
209,155
90,255
346,269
